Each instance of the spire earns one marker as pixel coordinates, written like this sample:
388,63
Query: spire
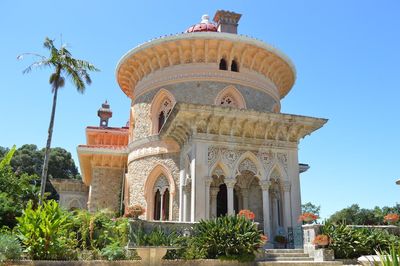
104,113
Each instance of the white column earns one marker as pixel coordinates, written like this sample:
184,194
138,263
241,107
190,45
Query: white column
230,184
207,183
193,190
182,176
186,202
287,220
162,205
245,195
214,193
265,198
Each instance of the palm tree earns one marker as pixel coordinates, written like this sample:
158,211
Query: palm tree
63,65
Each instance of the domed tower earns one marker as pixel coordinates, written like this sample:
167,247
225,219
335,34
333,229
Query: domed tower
206,136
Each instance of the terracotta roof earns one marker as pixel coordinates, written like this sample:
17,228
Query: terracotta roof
204,25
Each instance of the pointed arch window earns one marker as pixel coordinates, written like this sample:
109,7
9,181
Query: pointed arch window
234,66
223,64
161,211
163,113
230,97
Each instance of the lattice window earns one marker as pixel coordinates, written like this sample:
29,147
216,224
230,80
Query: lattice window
228,100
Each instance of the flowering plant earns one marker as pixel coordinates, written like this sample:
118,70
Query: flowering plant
308,217
391,218
321,240
247,214
134,211
264,238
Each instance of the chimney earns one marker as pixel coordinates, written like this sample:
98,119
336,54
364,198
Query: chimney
227,21
104,113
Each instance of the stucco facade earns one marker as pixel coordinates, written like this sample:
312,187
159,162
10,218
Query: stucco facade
205,136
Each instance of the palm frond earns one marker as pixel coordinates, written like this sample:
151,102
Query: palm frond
35,65
75,77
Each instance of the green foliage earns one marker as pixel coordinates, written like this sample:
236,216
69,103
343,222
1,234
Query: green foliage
157,237
354,215
46,232
10,248
350,242
391,257
310,208
100,232
228,237
114,251
15,191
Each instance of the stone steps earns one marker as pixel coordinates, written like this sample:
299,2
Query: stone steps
298,263
285,257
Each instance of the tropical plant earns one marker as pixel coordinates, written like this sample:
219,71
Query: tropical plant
228,237
46,232
63,65
157,237
351,242
391,257
10,248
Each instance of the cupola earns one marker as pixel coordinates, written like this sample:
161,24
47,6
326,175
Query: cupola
204,25
105,114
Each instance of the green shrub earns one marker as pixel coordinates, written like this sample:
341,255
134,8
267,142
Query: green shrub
391,257
46,232
10,248
157,237
351,242
97,231
228,237
114,251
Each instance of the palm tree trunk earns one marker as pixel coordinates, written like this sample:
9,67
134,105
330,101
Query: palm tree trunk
47,150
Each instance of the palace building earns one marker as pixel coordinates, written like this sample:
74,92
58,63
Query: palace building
205,135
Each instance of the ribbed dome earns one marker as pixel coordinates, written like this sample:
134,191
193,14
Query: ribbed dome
204,25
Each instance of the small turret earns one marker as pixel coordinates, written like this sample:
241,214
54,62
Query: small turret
104,113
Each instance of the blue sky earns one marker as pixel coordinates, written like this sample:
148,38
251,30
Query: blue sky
346,54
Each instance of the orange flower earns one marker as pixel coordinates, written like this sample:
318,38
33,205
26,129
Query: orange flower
247,214
391,218
264,238
308,217
321,240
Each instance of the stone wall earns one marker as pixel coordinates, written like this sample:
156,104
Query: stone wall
138,172
105,190
196,92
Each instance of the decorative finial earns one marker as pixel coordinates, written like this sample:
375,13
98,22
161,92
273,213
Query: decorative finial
205,18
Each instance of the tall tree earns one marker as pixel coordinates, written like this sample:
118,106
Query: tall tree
63,65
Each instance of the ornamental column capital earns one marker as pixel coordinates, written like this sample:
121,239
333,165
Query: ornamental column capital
208,180
230,182
265,185
214,191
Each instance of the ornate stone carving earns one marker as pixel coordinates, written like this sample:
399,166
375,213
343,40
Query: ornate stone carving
230,156
266,157
265,185
283,159
213,153
247,165
218,171
161,184
286,185
208,180
230,182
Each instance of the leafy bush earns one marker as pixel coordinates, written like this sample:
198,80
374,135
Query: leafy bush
46,232
228,237
114,251
157,237
97,231
350,242
10,248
